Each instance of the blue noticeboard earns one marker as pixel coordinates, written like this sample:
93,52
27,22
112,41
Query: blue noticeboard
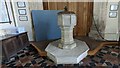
46,24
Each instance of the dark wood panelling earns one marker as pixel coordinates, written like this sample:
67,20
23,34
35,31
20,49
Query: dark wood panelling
83,10
12,43
45,5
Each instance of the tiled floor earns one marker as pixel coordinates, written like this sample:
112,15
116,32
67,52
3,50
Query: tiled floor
108,56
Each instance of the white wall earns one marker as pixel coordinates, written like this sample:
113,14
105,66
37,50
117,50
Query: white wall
30,5
111,29
108,27
26,24
119,19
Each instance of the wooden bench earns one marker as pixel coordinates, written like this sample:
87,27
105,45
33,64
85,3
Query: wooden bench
12,43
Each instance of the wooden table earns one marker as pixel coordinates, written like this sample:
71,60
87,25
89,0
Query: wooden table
94,45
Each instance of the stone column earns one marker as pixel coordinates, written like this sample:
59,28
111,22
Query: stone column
67,21
67,50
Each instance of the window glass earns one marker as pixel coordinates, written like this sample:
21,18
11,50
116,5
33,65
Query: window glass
4,17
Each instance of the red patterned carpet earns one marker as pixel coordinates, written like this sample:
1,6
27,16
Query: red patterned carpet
108,56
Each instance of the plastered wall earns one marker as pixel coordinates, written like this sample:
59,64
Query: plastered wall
119,19
111,29
107,26
27,24
23,23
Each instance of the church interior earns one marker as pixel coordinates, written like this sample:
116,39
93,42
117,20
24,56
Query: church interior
60,33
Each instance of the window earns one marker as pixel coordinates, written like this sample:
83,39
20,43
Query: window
4,14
